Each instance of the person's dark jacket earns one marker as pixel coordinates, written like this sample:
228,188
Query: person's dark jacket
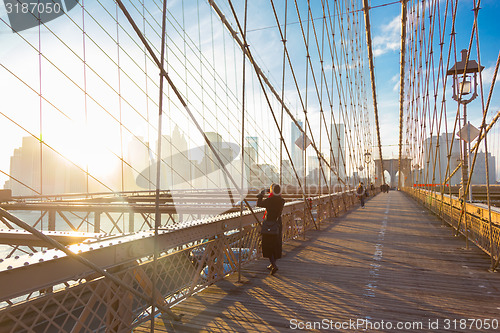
272,244
273,205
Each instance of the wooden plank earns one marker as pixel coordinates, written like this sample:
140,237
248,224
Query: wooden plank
391,261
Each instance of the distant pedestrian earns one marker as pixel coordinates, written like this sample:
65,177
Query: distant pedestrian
360,193
272,225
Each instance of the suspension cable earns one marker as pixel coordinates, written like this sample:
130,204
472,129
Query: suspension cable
372,79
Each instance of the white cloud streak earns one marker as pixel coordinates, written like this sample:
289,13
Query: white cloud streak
487,75
389,38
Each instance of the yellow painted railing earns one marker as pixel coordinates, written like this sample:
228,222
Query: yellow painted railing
470,219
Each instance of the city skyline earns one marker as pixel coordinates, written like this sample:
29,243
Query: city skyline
60,175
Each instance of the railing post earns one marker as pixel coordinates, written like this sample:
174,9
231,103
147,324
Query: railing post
131,227
52,220
304,222
97,222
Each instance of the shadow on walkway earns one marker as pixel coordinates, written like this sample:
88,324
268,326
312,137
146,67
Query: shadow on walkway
391,261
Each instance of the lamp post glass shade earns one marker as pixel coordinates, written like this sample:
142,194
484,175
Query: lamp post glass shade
464,87
368,157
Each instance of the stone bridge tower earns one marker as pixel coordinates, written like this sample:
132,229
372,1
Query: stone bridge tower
391,166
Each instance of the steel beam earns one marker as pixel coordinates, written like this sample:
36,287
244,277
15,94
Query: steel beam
54,266
25,238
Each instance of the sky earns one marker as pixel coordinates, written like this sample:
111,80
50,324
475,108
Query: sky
386,32
86,129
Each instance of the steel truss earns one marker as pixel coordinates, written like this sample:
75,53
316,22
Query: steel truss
69,296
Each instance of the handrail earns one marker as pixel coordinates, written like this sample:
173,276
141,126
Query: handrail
476,227
193,255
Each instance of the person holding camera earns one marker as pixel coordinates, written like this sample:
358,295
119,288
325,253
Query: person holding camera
271,226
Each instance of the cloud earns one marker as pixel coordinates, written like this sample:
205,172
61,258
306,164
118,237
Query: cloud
396,87
389,39
395,80
487,75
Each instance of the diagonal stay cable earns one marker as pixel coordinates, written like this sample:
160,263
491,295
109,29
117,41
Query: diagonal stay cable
184,104
261,75
252,61
466,190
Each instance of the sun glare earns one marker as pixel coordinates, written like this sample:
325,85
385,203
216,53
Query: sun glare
88,148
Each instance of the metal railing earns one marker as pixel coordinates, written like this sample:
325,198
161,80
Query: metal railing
470,219
51,291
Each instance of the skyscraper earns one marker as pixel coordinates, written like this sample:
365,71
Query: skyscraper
295,152
439,162
37,169
338,159
253,142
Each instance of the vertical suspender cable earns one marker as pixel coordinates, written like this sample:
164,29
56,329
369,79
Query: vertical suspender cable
402,83
242,136
184,104
85,90
283,89
158,164
40,137
305,103
122,182
262,78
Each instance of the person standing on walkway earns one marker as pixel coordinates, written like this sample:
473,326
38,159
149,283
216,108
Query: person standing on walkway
272,240
360,193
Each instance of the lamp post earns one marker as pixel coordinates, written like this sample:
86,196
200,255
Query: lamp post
463,73
367,162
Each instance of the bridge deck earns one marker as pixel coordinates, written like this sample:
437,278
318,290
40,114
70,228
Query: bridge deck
390,261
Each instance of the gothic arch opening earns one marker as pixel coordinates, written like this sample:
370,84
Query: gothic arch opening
388,177
403,179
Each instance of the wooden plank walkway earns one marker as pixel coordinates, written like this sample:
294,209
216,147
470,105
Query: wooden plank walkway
391,263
